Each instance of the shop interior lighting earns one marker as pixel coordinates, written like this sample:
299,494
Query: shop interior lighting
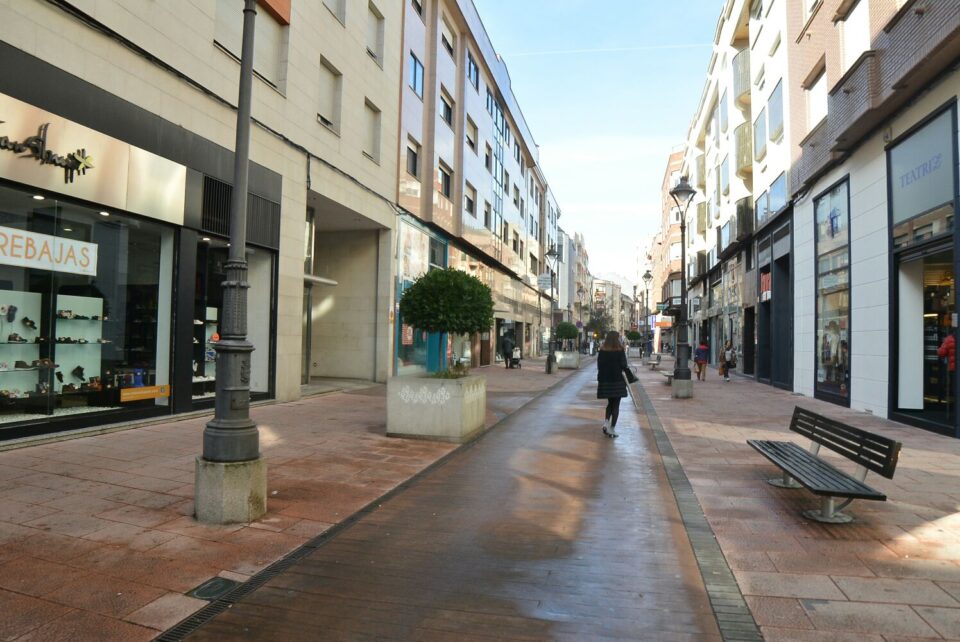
104,213
68,229
37,197
206,239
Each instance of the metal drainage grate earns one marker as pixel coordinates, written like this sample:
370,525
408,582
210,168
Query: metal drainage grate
213,589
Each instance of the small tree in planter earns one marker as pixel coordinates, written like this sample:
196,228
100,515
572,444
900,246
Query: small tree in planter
447,301
567,359
453,405
567,331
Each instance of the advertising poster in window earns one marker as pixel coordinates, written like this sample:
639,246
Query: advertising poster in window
833,292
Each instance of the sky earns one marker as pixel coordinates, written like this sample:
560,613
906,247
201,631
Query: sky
607,88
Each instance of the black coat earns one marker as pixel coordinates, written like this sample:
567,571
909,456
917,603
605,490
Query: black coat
611,366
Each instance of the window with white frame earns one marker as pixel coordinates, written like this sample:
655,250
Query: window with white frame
371,137
473,72
855,33
447,38
446,180
375,33
446,108
470,200
338,8
760,135
417,6
413,158
416,75
817,100
269,42
725,175
516,196
487,215
471,135
331,82
488,158
775,113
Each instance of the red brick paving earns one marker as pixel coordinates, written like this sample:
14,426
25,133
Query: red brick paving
894,574
97,538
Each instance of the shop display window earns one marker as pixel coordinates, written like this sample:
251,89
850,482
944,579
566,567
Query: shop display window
85,309
832,348
212,254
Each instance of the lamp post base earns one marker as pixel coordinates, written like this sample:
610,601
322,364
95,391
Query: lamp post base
682,388
230,492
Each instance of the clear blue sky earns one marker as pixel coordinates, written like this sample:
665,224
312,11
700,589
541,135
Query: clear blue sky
607,88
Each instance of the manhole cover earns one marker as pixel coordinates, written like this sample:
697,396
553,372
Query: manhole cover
213,588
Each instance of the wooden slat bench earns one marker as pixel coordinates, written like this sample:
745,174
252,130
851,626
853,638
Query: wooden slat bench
869,451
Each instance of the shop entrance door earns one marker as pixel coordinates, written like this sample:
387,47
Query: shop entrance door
925,370
749,340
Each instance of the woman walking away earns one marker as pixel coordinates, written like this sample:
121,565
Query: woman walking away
728,360
611,368
700,356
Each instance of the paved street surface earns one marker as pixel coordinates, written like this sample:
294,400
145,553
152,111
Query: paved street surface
892,575
542,530
97,541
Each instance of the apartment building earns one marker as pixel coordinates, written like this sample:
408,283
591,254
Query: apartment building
129,110
583,283
875,188
471,191
827,252
607,301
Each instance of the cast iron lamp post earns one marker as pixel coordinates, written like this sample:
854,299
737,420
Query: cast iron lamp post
231,476
647,278
682,195
551,356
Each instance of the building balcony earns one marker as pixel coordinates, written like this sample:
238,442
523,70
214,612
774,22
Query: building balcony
702,216
741,79
744,141
701,172
815,157
853,100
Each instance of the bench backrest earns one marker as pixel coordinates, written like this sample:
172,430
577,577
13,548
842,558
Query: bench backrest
873,452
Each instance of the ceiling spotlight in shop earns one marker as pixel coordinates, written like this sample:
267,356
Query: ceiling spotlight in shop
104,213
205,239
37,197
68,229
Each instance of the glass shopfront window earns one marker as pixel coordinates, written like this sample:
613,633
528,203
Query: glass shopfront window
832,212
923,186
212,254
414,260
85,309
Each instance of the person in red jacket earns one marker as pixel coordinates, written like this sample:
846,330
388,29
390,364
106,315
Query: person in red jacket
948,351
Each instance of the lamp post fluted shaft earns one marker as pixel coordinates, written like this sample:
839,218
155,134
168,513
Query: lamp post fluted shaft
232,435
682,195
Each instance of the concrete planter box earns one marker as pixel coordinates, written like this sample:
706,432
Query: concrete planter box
568,360
440,409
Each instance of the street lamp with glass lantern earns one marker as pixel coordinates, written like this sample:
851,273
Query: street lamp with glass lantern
682,195
551,356
647,278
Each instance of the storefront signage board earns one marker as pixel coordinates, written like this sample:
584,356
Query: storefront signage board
46,151
44,252
922,169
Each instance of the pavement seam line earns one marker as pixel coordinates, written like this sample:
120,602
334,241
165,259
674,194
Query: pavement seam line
193,622
722,586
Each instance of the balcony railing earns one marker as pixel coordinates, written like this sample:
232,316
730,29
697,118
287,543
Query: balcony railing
701,172
741,78
744,138
744,218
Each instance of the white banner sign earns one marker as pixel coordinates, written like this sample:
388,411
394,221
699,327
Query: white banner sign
45,252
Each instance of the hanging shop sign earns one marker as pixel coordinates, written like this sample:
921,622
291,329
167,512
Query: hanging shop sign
41,149
44,252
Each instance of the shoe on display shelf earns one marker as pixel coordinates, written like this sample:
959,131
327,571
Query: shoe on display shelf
78,373
13,337
29,323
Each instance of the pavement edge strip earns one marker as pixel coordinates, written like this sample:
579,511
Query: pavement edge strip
193,622
734,618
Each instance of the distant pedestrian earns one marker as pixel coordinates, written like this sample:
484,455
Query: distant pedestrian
700,357
611,368
506,348
728,360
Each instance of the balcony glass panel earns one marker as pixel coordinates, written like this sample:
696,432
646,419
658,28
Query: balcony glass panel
741,77
744,140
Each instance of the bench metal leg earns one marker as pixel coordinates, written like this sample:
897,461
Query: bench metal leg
829,513
784,482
